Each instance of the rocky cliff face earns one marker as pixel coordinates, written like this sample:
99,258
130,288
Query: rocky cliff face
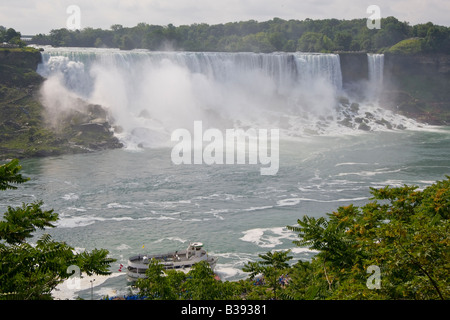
413,85
24,129
354,67
418,86
436,65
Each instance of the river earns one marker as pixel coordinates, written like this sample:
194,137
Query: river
136,199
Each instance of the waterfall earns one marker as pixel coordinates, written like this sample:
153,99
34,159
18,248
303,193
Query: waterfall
285,69
375,65
326,65
150,94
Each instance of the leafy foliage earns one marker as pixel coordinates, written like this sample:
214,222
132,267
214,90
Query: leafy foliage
9,175
402,232
157,286
268,36
407,236
11,36
32,271
198,284
408,46
272,266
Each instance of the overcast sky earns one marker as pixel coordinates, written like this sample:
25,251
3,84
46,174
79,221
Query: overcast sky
40,16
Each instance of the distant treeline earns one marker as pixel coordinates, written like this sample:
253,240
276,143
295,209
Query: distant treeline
328,35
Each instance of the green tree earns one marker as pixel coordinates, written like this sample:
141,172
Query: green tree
406,236
198,284
314,42
11,34
306,282
229,43
98,43
60,37
343,40
436,38
32,271
126,43
272,266
403,233
277,40
2,33
9,175
392,32
258,42
201,285
18,42
267,36
160,284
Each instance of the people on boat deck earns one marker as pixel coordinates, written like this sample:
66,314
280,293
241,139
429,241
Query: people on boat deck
175,256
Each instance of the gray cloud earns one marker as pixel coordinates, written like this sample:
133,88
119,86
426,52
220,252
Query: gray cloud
31,17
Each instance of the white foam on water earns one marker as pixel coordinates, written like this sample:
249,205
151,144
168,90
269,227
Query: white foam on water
116,205
174,239
228,271
77,221
69,289
298,250
257,208
288,202
123,246
267,237
122,219
294,92
368,173
71,196
335,200
76,209
351,164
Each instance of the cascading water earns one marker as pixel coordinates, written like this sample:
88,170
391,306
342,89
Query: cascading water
120,200
375,66
150,94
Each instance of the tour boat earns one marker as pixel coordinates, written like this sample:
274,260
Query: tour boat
181,260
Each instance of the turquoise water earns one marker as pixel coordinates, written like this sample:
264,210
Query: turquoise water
122,200
136,200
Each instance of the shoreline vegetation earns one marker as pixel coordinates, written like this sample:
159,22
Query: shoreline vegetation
395,247
326,35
